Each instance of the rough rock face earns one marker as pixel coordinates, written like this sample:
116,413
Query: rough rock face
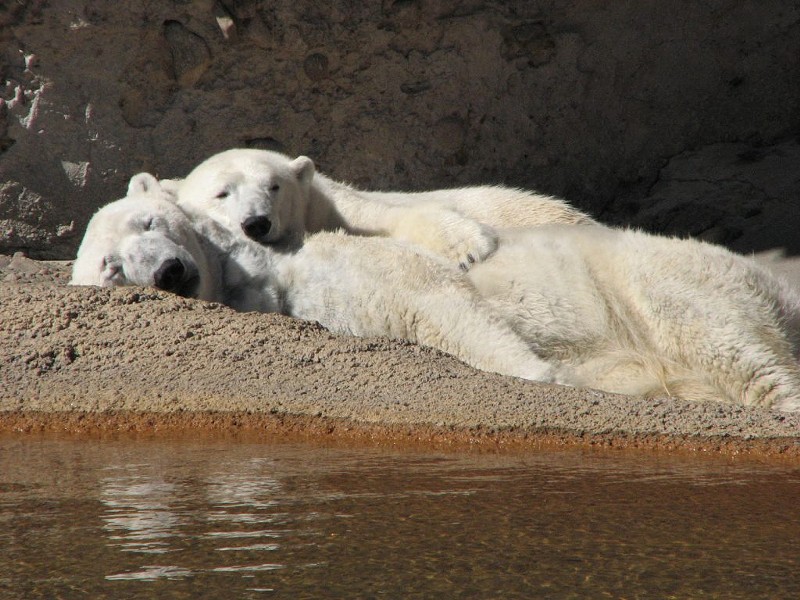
674,116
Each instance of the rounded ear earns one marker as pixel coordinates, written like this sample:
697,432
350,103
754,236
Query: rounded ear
143,183
303,168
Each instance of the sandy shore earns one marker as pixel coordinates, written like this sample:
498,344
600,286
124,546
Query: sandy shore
90,359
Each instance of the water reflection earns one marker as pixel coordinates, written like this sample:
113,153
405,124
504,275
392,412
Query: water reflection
223,511
153,519
151,573
140,513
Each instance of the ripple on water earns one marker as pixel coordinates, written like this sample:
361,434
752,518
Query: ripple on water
152,573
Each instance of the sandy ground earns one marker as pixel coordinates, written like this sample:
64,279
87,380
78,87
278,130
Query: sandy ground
100,360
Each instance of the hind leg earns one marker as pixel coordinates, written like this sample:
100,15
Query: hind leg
748,365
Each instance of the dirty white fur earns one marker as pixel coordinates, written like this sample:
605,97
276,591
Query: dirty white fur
642,314
352,285
457,224
622,311
127,241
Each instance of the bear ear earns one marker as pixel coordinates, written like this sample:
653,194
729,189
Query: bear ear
143,183
303,168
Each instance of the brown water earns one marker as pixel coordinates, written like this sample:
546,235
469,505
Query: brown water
231,519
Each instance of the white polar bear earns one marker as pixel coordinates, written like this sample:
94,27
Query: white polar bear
145,240
353,285
273,199
617,310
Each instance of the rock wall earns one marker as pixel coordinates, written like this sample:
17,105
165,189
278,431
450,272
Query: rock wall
669,115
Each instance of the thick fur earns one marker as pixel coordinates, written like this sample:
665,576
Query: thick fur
353,285
640,314
457,224
126,242
618,310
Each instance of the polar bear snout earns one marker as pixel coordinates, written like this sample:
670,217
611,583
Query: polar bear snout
173,275
169,275
256,228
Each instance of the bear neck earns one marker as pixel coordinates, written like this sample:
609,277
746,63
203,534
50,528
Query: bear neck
329,204
334,205
248,275
213,287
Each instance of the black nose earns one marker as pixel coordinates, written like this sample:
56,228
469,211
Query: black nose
256,227
169,275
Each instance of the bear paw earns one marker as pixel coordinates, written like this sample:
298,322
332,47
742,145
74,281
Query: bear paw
448,234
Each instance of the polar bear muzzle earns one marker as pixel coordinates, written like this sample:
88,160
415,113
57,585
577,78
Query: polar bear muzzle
176,277
256,228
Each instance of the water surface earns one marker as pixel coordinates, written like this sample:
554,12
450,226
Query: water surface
213,518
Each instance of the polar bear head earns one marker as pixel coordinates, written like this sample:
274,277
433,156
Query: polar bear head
261,194
144,239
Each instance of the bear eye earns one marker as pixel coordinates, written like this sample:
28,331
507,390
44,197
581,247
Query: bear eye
154,223
222,194
274,188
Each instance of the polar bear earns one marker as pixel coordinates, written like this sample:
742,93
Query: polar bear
618,310
147,240
144,239
274,199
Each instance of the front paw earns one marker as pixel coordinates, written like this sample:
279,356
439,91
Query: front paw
473,242
450,235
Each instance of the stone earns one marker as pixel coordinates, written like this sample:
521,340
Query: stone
595,102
